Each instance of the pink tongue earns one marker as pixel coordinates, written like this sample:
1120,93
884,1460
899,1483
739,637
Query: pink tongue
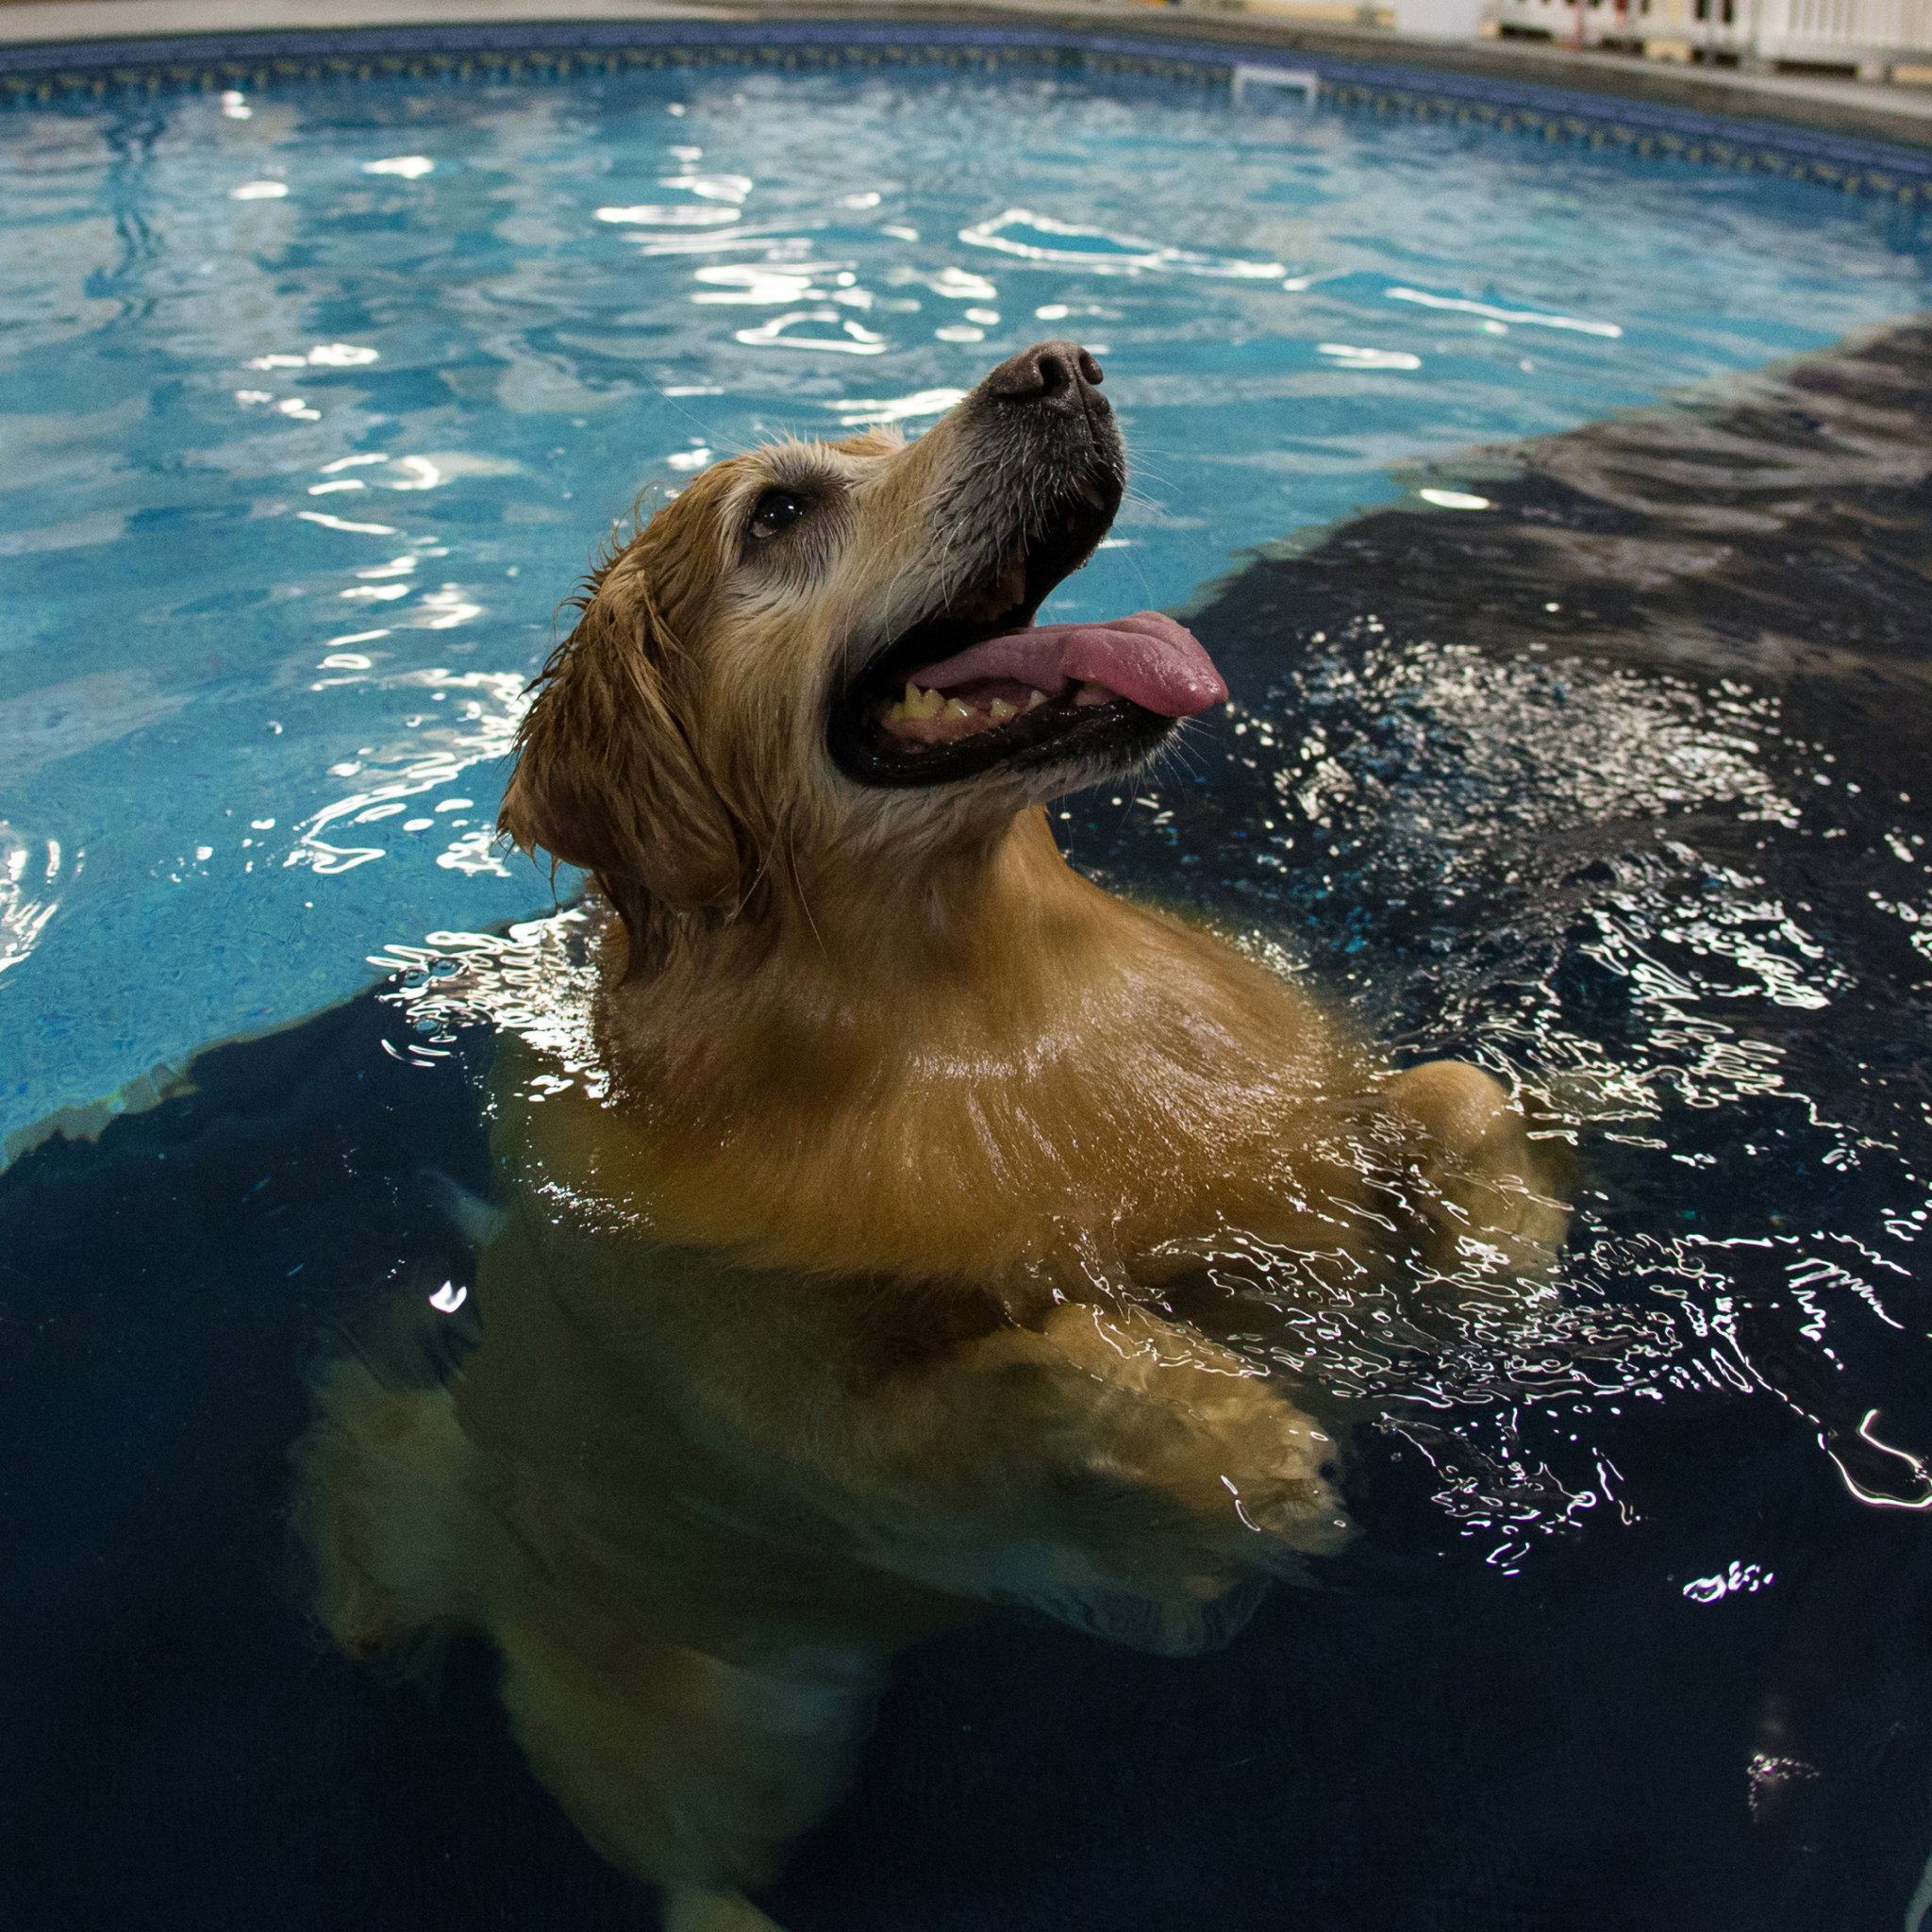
1148,657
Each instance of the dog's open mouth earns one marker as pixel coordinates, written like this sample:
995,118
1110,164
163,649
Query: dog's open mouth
979,684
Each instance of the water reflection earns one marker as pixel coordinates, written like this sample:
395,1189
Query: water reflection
698,1508
1556,786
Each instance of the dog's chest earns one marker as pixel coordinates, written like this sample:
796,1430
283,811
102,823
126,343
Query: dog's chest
956,1156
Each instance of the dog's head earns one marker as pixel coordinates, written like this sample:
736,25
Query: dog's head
826,653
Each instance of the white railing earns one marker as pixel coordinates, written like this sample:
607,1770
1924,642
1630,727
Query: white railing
1791,29
1869,37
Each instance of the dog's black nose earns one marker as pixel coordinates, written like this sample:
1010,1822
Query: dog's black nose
1049,374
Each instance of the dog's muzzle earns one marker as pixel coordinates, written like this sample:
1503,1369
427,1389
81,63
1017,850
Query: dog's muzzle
974,684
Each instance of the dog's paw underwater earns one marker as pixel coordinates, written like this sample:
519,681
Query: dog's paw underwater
857,1296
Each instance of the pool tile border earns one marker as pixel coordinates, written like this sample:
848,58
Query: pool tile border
34,75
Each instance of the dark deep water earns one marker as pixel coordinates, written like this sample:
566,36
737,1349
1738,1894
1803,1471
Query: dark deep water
1621,785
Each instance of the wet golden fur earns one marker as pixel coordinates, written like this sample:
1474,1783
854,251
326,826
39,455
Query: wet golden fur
827,1322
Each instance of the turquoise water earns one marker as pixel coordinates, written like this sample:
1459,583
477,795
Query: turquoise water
316,405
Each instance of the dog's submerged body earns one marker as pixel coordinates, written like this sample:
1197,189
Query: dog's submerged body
831,1319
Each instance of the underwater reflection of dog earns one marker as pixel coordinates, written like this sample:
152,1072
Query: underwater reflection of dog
842,1306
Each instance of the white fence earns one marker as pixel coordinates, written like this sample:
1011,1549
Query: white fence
1872,38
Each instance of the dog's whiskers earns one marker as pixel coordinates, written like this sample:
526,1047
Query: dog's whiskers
712,436
805,907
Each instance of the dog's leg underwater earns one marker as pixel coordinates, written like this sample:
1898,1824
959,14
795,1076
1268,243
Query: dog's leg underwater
682,1767
686,1769
388,1503
469,1214
688,1909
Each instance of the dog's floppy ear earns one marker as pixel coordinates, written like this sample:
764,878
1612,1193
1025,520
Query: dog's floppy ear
606,776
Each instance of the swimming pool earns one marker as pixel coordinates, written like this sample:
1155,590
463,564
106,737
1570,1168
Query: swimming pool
323,400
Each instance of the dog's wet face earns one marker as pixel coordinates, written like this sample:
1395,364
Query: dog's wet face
942,681
837,640
916,575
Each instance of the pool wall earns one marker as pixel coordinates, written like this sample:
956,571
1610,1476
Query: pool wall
1458,84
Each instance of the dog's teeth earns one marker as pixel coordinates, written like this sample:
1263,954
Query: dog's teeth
1035,700
1000,710
1092,693
955,709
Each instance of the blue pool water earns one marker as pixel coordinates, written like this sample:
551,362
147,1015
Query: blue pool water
1573,731
318,403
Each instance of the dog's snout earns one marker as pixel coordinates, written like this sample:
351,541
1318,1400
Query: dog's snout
1049,374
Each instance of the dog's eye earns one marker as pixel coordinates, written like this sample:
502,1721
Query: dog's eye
775,512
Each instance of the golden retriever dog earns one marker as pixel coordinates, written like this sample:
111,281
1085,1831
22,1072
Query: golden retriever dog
841,1301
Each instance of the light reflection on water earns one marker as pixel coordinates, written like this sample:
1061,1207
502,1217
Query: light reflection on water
318,403
1384,773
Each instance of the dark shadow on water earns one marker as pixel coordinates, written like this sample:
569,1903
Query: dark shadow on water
1552,835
